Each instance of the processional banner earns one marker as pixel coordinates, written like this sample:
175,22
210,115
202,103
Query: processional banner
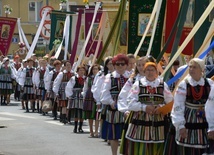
93,41
7,27
57,27
139,14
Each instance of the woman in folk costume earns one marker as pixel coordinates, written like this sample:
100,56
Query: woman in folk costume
89,105
49,80
209,107
26,83
18,77
16,65
73,92
122,98
96,90
188,114
111,88
38,79
6,86
59,89
145,133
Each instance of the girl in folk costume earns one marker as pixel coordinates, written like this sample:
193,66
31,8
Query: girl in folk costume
96,90
26,83
49,80
89,105
38,79
19,72
112,86
59,89
188,114
6,86
145,133
16,65
73,92
122,98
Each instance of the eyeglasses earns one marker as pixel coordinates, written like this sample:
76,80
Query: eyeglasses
120,64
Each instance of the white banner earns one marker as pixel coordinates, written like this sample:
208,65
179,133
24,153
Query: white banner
88,36
32,48
66,37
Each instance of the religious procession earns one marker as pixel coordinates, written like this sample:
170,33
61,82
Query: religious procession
142,93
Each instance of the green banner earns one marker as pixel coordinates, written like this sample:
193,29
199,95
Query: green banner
139,14
57,26
201,33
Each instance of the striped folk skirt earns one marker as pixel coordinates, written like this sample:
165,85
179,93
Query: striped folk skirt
115,124
62,95
90,114
62,103
89,106
138,148
6,85
146,128
76,113
196,127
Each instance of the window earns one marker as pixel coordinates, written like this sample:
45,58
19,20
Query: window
34,8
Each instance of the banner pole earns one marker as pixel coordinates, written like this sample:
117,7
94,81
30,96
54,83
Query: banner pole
191,34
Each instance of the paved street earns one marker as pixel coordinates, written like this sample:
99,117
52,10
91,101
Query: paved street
33,134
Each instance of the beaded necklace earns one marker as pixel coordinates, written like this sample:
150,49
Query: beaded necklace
197,95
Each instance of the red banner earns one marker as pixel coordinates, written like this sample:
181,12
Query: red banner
93,41
188,50
171,15
7,26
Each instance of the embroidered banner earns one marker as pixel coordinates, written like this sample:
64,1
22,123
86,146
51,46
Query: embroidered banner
139,14
7,26
93,41
57,27
171,15
201,6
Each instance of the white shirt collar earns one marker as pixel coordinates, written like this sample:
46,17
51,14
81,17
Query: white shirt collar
117,75
154,83
192,82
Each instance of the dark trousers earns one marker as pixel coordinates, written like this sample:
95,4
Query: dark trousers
17,92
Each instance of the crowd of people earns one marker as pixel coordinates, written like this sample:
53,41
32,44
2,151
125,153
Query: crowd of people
124,97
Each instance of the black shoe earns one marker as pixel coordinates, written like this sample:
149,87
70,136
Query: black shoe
64,121
55,117
80,130
75,130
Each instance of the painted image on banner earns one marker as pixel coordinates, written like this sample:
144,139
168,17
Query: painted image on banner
123,34
95,34
143,20
59,29
5,31
190,14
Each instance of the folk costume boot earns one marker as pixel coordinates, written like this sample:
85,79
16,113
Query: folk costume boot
69,116
60,117
1,100
5,100
64,120
33,106
37,106
80,127
26,105
75,126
